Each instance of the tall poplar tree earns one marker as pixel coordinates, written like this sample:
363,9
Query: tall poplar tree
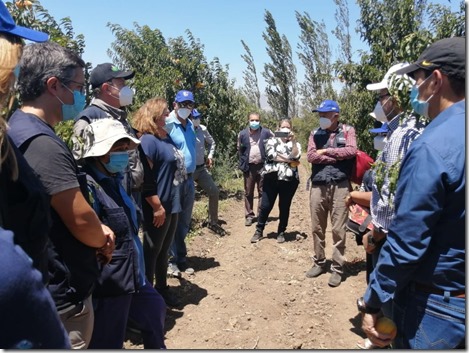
280,73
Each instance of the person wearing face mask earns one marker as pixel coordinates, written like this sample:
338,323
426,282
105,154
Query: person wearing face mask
201,174
29,318
281,178
51,77
122,291
331,151
421,267
403,129
251,154
181,132
111,96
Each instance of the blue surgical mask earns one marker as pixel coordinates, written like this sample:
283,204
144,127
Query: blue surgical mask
420,107
118,162
70,111
254,125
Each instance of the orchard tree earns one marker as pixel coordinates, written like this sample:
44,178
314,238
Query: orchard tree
280,73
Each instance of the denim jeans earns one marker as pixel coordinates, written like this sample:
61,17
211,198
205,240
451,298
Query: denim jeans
178,250
428,321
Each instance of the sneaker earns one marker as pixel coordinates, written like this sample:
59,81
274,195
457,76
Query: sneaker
280,237
169,298
173,270
248,222
315,271
184,267
256,237
335,279
217,229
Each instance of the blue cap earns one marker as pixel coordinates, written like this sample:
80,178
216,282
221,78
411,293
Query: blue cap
183,96
7,25
328,106
380,130
195,114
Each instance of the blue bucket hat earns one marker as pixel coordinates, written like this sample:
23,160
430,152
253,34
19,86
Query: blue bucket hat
328,106
7,25
183,96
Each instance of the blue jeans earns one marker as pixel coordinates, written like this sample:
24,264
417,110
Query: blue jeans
428,321
178,250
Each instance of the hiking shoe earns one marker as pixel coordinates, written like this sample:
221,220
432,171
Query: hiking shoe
315,271
256,237
185,268
173,270
169,298
280,237
248,222
217,229
335,279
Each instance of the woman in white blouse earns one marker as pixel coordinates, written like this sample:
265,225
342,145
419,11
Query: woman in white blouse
280,178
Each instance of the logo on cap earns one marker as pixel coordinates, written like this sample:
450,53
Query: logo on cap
114,68
426,63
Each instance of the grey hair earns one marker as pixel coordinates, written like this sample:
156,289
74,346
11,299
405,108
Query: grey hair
41,61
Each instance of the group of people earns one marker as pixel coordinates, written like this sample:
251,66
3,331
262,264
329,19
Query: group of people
85,266
415,194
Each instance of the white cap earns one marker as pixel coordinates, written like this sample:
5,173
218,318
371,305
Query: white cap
101,135
385,82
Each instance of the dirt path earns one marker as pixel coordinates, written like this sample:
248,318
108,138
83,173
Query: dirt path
256,296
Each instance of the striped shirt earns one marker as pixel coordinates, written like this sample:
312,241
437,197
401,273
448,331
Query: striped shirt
399,139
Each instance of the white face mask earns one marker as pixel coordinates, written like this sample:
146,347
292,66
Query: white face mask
379,142
324,123
184,113
379,113
196,122
126,96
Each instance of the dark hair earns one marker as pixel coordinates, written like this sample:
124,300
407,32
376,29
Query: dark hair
458,85
41,61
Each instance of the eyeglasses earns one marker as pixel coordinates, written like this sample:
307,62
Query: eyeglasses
384,96
82,85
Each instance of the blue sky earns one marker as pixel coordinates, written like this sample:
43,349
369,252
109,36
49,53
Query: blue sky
220,25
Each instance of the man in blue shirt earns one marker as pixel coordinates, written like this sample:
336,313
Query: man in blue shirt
421,266
181,131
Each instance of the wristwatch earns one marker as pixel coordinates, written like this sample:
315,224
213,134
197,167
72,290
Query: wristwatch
363,308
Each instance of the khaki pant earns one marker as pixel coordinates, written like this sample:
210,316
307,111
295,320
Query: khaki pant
79,323
329,200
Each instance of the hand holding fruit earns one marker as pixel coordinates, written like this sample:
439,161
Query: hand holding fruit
379,329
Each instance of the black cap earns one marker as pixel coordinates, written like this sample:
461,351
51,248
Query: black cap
106,72
448,55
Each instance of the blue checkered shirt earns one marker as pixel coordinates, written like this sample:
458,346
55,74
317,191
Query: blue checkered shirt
399,139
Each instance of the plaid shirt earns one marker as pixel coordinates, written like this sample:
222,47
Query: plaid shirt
399,139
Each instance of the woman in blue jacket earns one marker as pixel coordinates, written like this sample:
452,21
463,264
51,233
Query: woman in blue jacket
122,292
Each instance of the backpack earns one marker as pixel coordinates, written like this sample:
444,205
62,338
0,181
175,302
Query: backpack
362,163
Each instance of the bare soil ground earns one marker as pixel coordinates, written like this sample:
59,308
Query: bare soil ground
256,296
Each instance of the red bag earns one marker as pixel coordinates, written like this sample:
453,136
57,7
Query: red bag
362,163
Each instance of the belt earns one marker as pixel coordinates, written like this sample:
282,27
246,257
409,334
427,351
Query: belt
199,166
433,290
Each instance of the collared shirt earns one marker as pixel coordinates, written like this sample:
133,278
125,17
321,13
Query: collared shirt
426,241
274,146
203,138
399,139
183,138
255,153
